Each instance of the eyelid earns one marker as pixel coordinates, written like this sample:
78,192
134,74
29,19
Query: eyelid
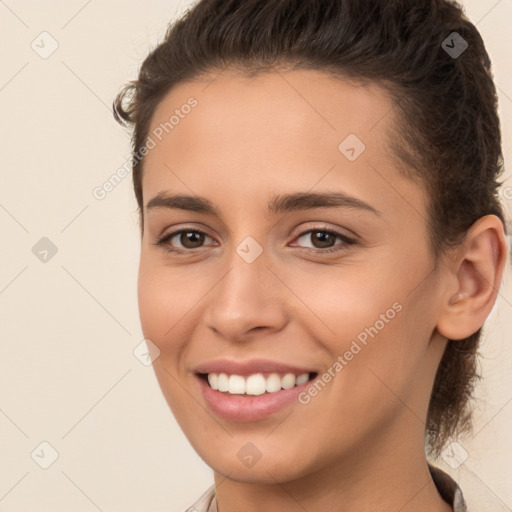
322,226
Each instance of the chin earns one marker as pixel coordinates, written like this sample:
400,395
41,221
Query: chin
246,466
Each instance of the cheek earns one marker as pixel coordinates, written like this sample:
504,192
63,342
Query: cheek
154,305
163,316
165,297
346,300
370,319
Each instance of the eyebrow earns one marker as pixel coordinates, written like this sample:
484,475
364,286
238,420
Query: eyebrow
278,204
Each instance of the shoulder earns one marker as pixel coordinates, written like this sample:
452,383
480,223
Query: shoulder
206,502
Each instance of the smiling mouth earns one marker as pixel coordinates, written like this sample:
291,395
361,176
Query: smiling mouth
255,384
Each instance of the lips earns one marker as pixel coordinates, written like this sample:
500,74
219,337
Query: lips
250,367
253,389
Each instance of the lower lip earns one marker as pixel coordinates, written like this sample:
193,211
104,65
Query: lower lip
249,407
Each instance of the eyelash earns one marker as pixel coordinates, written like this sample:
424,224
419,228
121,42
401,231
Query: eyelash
347,241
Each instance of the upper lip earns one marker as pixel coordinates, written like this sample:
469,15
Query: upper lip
249,367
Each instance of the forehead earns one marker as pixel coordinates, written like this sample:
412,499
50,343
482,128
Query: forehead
273,103
277,130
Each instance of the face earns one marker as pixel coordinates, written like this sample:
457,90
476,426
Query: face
300,250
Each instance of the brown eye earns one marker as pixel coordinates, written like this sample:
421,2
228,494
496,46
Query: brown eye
183,240
191,239
324,240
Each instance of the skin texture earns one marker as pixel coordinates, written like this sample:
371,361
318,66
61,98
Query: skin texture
247,140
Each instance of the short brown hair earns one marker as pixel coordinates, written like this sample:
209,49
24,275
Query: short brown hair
447,134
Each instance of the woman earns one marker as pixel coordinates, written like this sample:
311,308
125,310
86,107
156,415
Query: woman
322,242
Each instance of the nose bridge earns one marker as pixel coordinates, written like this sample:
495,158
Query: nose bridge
246,296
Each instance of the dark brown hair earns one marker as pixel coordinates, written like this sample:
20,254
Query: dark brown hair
446,134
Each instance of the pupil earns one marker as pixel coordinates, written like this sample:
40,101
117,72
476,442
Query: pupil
323,238
189,238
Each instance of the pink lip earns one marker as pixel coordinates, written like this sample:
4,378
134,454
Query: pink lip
249,408
249,367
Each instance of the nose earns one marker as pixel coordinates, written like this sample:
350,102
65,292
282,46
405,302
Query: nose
248,299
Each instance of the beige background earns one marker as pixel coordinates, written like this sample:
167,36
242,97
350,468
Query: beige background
68,327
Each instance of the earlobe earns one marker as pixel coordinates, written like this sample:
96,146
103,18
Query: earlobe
478,270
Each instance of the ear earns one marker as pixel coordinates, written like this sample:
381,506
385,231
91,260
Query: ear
476,269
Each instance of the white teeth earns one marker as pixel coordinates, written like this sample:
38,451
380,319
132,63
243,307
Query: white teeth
273,383
223,382
288,381
301,379
213,380
236,385
255,384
